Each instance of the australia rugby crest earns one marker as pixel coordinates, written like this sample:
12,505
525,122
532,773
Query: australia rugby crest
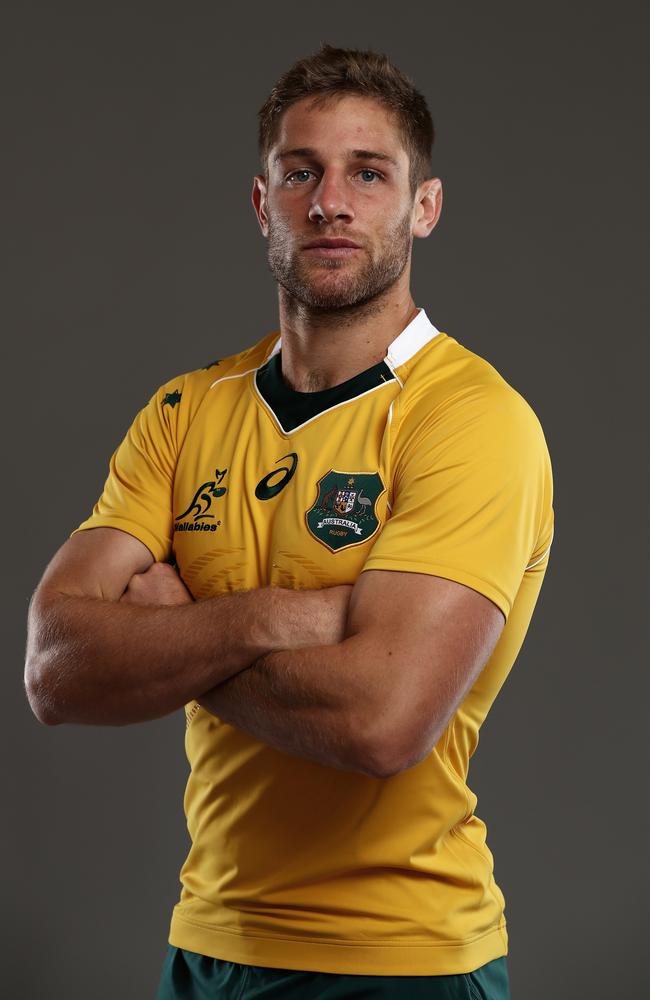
345,510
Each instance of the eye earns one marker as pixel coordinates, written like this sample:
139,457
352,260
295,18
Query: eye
295,172
375,173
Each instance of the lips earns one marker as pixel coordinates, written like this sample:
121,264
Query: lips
331,244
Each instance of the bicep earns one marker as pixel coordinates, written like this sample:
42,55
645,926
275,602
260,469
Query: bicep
96,562
428,639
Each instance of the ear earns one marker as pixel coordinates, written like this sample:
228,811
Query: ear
258,197
428,204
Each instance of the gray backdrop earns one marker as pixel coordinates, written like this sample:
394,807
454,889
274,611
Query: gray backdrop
131,253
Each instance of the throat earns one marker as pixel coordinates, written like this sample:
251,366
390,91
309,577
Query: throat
310,382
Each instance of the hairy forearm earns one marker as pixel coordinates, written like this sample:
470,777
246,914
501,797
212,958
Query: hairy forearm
107,662
309,702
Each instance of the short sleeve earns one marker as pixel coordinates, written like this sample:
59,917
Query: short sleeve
137,495
472,494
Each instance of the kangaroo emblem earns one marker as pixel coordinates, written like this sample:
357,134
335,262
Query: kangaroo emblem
202,499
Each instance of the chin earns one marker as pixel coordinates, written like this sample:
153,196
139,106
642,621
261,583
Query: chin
328,303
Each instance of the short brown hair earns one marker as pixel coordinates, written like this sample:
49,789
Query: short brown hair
330,74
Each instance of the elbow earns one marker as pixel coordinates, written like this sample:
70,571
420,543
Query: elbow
368,750
39,666
382,764
379,765
377,756
391,750
41,710
37,690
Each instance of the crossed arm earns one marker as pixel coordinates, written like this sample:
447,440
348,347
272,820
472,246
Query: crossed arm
414,645
362,678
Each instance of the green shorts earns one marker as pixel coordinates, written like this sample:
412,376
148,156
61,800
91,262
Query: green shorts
187,975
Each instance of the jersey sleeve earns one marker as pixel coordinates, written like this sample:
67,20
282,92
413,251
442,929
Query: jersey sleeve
472,494
137,495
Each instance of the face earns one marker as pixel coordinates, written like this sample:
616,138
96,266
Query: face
337,173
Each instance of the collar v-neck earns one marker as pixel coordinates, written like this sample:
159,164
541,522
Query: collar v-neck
292,409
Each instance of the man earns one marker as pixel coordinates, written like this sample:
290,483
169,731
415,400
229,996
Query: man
360,513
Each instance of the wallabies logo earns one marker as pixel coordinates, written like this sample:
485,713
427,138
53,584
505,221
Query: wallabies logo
344,512
201,504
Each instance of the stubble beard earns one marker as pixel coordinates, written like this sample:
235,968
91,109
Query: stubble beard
354,287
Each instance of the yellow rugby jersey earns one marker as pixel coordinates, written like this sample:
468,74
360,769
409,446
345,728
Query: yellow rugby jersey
428,462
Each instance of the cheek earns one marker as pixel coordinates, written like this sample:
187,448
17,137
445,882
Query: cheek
282,223
384,229
397,226
290,205
382,210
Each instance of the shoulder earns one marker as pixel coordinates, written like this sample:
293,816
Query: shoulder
447,387
178,399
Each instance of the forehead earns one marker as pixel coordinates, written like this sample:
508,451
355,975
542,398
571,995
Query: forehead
343,123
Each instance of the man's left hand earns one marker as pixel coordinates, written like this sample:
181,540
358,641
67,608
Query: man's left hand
160,585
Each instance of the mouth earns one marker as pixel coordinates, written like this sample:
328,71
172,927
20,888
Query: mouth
332,247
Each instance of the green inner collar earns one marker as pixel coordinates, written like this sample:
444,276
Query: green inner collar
293,408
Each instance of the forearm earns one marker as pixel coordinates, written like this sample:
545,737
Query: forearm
310,702
105,662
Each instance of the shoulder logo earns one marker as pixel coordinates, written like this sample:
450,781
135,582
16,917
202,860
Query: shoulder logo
212,364
200,507
172,398
344,511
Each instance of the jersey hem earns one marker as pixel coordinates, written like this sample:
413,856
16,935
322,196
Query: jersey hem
428,958
448,572
158,551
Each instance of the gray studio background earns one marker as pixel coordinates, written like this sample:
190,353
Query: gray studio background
131,253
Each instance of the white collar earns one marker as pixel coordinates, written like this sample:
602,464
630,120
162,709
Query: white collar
413,337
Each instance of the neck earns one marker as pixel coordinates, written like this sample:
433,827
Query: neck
322,349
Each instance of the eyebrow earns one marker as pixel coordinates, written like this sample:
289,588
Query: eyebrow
355,154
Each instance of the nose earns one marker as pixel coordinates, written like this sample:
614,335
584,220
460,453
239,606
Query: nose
330,200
